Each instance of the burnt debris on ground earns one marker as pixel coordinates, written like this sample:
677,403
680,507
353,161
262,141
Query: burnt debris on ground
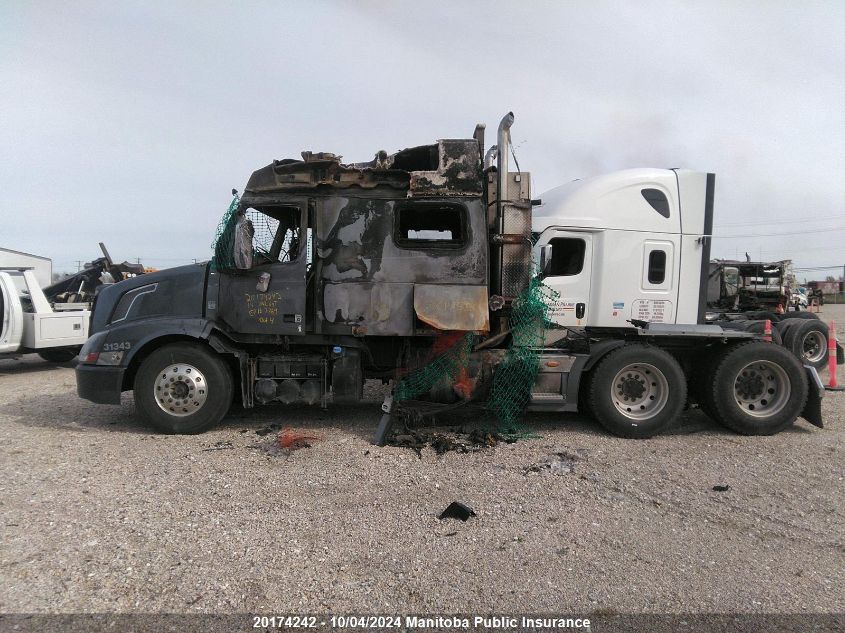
444,439
266,430
560,463
457,510
220,446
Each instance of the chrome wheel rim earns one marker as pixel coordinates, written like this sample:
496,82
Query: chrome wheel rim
814,346
762,389
180,390
639,391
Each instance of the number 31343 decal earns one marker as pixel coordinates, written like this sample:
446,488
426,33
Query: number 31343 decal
117,347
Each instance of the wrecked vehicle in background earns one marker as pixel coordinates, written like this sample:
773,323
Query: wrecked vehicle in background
81,287
52,322
419,267
742,295
740,286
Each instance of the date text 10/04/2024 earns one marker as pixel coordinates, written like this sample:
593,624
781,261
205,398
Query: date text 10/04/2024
456,622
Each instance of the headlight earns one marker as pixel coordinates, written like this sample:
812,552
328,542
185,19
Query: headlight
110,358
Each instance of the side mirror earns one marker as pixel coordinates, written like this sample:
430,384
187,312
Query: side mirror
545,259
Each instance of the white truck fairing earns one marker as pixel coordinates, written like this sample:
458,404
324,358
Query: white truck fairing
626,245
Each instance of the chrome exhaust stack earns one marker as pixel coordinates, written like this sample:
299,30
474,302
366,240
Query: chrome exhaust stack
503,139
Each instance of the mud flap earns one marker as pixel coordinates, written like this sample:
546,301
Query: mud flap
840,355
813,409
386,422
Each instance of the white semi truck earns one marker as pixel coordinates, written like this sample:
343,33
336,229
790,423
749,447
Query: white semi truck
325,274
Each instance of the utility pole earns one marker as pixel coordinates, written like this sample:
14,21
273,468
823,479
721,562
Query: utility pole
78,265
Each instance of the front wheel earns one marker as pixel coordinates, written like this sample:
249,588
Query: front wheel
637,391
757,389
183,388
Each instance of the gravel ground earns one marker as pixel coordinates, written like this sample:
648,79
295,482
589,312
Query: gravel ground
100,514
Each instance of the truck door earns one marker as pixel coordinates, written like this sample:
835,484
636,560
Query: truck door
268,296
567,265
11,315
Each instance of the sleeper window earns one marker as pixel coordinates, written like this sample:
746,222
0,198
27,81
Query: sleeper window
430,225
656,267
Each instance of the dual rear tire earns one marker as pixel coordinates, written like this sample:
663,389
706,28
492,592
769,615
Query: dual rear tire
754,388
807,340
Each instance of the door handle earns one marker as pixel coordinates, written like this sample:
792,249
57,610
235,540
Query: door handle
580,309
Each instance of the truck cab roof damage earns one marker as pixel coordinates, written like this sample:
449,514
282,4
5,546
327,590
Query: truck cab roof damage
448,168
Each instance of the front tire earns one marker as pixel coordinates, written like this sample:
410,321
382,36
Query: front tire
183,388
757,389
637,391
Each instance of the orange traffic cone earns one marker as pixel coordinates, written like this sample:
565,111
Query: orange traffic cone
831,358
767,331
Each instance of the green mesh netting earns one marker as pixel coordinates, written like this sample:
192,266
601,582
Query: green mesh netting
444,367
265,229
223,246
514,377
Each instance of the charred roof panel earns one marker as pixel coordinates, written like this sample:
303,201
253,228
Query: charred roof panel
447,168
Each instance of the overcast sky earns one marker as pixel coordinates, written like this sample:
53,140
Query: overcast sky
130,123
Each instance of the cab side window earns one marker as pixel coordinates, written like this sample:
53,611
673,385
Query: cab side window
277,233
567,257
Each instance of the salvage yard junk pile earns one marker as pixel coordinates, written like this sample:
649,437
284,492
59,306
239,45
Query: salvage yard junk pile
435,269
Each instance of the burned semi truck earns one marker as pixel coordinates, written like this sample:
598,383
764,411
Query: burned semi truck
434,268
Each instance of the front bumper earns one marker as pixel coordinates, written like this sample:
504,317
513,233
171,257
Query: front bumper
99,384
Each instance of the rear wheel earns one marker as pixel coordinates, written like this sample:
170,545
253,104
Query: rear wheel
757,389
808,341
637,391
183,388
787,324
